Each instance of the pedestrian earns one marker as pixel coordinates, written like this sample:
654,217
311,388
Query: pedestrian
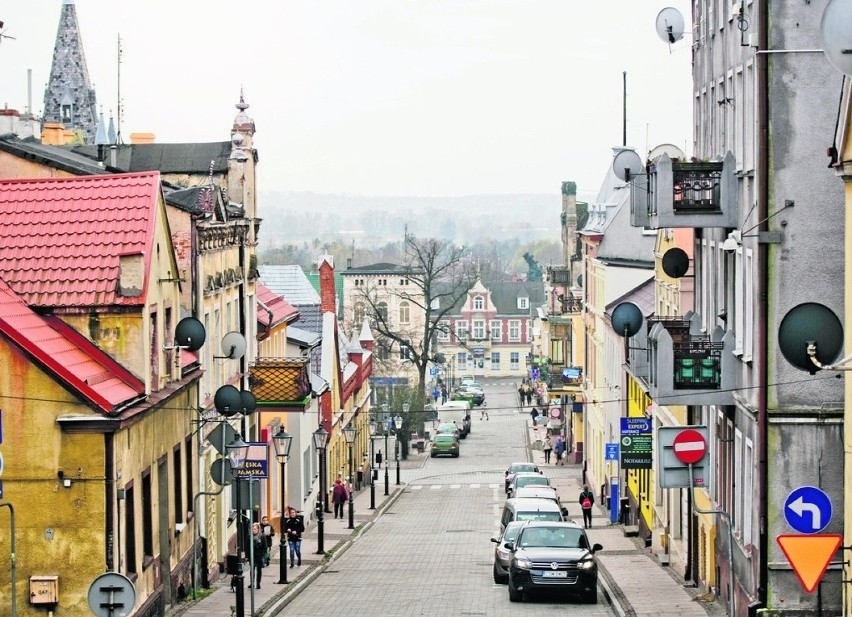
548,448
443,393
521,394
293,527
268,532
587,500
338,496
258,547
534,416
559,450
436,394
528,393
483,413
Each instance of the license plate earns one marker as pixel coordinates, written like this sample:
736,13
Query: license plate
554,574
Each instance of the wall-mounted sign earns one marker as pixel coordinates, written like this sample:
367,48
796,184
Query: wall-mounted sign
637,444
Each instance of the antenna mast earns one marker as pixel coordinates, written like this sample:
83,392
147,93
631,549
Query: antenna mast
624,111
118,96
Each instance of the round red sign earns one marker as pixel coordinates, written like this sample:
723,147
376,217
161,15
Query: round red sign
689,446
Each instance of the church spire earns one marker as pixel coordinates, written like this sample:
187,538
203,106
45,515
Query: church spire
69,97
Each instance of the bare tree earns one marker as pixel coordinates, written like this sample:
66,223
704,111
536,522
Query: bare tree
440,275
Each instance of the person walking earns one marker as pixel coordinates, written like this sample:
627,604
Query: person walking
528,393
587,500
559,450
258,544
293,528
268,532
338,496
548,448
521,395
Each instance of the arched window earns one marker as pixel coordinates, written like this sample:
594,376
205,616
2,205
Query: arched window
404,312
478,303
359,313
382,311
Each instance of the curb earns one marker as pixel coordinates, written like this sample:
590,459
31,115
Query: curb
613,593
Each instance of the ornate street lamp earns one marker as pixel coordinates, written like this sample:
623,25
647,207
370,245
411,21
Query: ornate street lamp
349,435
320,437
397,421
373,428
236,453
282,441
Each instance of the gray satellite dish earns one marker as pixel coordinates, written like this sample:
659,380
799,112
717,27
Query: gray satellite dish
671,150
233,346
670,25
579,280
112,595
626,319
810,323
836,34
675,262
626,164
190,334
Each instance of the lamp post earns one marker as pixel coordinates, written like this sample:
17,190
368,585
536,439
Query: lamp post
320,439
349,435
237,451
406,406
397,421
385,429
282,442
372,466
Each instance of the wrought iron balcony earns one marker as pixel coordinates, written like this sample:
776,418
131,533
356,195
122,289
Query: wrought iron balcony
280,380
697,364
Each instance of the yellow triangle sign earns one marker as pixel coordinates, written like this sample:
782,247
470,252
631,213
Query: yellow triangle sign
809,555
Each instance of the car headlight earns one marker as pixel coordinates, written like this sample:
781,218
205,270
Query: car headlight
587,564
503,554
524,564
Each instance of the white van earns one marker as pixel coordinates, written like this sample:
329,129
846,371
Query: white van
458,412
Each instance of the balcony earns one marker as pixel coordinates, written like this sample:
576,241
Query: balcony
280,380
677,193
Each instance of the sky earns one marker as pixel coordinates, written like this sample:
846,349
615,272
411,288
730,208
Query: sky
381,97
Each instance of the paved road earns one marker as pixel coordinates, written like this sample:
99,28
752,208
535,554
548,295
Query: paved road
430,552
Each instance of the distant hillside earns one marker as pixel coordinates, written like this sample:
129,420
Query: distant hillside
295,218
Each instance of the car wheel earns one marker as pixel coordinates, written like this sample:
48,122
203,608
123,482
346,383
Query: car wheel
499,577
456,455
592,597
514,594
433,455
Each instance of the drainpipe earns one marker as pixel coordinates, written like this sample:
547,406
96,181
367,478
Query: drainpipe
109,497
762,192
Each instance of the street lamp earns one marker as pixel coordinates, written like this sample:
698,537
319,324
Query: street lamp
385,429
373,427
397,421
320,439
237,452
282,442
349,435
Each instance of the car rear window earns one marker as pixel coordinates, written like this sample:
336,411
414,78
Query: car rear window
444,439
538,516
530,480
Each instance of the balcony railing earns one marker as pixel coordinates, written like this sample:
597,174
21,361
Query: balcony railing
280,379
697,364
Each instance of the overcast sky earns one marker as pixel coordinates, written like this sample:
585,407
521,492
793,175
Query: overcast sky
381,97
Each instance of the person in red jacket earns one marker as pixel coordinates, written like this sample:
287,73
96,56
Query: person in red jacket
587,500
339,494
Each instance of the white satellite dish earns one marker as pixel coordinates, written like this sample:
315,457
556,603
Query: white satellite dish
233,346
670,25
626,164
836,34
672,150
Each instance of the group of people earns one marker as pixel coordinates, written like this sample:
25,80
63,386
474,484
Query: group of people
558,448
262,535
525,393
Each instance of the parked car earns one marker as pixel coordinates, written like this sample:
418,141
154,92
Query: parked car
541,492
554,557
475,395
450,428
458,412
524,478
519,466
502,555
444,444
529,510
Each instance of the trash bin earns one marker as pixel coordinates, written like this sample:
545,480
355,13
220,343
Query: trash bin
232,564
359,478
625,511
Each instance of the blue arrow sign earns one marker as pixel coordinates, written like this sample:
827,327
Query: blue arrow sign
611,452
807,509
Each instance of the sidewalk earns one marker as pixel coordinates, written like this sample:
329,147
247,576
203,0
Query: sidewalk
633,579
272,597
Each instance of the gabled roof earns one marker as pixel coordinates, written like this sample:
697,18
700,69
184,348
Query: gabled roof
282,311
642,296
52,156
167,158
303,338
63,236
75,362
289,282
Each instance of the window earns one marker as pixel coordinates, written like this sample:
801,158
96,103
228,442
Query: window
556,349
404,312
129,530
405,350
177,487
444,331
523,303
382,349
188,461
382,311
748,489
496,330
479,329
435,304
461,360
514,330
495,360
147,516
478,303
748,316
358,313
737,515
514,361
529,330
461,330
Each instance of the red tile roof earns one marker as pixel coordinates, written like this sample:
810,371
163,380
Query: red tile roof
281,309
75,362
62,237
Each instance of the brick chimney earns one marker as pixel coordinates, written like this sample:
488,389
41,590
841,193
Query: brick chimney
328,293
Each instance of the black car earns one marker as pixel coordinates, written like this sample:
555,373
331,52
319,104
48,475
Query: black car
555,557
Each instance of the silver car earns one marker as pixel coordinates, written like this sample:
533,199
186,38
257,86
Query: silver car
502,555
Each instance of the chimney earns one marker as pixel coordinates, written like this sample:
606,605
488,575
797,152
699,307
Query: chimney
142,138
328,303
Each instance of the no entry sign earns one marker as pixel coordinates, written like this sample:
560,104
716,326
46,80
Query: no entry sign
689,446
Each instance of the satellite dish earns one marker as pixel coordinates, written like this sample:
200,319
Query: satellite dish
836,33
626,164
233,346
671,150
579,280
190,334
670,25
810,323
228,401
627,319
220,472
249,402
675,262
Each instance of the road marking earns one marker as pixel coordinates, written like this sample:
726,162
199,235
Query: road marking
435,487
474,486
455,485
416,487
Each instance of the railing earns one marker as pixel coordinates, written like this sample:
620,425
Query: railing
280,379
697,187
697,364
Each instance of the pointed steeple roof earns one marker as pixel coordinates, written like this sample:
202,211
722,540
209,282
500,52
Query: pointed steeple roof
111,135
69,97
101,135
